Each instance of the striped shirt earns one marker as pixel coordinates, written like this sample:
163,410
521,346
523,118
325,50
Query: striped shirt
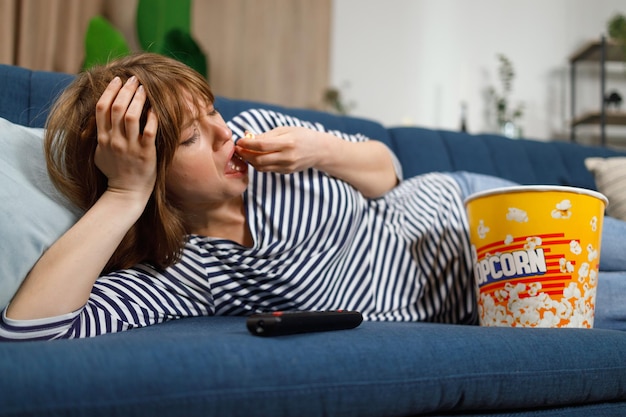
318,245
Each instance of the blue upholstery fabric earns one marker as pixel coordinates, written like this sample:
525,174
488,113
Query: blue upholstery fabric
523,160
212,367
27,95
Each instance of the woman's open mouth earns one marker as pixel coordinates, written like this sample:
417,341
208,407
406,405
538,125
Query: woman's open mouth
236,165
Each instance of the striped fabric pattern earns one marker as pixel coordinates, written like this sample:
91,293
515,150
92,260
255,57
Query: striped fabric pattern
318,245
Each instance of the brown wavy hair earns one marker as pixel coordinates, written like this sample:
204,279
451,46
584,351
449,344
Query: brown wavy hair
70,142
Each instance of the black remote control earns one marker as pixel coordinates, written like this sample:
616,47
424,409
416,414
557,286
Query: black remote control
280,323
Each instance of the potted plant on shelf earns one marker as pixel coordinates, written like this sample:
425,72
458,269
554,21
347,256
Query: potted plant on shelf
507,116
616,29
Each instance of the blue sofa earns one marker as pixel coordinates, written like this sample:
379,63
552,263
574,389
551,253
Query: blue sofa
211,366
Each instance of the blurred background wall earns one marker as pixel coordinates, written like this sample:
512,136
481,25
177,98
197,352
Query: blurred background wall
396,61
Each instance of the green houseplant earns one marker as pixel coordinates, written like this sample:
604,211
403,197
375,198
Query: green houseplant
163,27
617,31
506,115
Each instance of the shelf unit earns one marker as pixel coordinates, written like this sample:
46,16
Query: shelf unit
601,52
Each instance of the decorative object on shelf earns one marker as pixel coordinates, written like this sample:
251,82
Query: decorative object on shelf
334,101
616,29
463,126
507,116
613,99
163,27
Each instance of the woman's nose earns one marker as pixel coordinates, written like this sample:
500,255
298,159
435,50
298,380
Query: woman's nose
222,133
226,134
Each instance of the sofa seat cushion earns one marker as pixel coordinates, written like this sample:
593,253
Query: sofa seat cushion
377,369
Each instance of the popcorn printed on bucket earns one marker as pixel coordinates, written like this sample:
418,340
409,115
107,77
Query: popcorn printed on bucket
562,210
575,248
566,266
592,254
518,215
482,229
532,242
524,305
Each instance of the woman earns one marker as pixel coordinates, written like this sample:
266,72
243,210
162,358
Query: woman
177,223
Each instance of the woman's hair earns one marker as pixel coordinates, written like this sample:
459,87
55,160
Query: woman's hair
158,236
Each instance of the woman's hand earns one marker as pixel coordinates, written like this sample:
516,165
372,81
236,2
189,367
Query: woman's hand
125,155
284,150
367,166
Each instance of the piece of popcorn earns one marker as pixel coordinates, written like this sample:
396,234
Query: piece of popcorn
565,266
517,215
594,223
514,290
592,253
564,205
575,248
564,309
508,239
501,295
561,214
532,242
572,291
482,229
549,319
533,288
529,318
562,210
583,271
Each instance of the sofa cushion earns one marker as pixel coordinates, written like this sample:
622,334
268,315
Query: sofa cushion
27,95
376,369
610,176
524,161
32,213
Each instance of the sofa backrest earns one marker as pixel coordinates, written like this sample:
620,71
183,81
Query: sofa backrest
525,161
26,96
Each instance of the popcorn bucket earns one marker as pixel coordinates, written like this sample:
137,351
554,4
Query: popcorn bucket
536,252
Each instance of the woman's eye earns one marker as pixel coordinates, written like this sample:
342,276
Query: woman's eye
214,112
192,139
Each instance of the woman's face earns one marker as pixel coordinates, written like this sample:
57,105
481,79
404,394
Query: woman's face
205,171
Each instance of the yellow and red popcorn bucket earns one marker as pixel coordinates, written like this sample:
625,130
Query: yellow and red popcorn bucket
536,252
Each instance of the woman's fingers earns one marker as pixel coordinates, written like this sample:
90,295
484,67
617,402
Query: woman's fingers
103,106
120,105
150,129
118,111
112,109
262,144
132,115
